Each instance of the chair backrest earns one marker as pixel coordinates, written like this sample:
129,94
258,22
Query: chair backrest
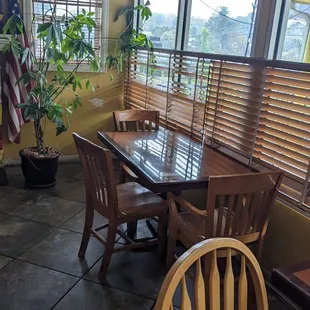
139,120
207,288
240,205
99,176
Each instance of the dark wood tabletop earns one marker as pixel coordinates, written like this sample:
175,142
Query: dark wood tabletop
168,160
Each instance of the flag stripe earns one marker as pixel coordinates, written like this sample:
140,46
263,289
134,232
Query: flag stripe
14,93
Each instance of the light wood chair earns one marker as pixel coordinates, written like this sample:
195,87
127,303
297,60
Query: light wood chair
238,206
207,290
118,203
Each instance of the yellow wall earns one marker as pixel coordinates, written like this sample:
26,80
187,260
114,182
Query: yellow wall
287,239
88,119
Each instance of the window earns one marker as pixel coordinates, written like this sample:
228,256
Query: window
41,9
209,26
162,27
255,110
294,42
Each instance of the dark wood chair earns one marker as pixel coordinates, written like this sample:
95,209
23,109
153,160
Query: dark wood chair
134,120
238,207
120,204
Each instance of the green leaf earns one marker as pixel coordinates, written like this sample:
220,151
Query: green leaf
43,27
94,65
90,86
84,12
24,53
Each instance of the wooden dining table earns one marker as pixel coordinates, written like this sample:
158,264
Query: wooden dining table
169,161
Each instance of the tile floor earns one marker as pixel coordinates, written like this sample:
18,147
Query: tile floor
40,233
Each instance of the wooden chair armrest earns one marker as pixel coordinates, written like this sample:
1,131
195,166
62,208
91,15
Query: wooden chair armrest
186,205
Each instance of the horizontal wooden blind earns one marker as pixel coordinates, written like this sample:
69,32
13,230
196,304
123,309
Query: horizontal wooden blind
256,108
283,137
172,84
234,104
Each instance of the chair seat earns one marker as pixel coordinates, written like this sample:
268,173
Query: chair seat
135,199
129,173
194,225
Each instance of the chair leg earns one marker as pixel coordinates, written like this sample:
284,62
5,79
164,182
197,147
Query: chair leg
89,217
132,229
122,176
162,235
108,250
171,251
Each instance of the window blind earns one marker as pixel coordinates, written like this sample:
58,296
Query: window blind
233,108
174,85
256,108
283,137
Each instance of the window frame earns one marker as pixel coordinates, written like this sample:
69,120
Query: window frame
183,25
289,5
28,13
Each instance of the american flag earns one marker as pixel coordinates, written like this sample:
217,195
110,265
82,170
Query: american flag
15,94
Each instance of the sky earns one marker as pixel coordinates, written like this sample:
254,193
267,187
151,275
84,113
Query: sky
199,9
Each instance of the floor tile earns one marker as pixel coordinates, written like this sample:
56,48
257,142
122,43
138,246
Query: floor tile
76,224
70,170
12,171
18,235
11,198
88,295
26,286
4,260
68,188
48,210
136,272
59,251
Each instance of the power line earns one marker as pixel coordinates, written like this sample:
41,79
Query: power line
303,11
236,20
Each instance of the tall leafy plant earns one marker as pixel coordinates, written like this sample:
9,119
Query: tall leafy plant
63,43
131,38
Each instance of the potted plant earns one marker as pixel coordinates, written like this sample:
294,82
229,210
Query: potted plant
63,43
131,38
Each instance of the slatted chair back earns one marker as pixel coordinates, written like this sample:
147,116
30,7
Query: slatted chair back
99,177
136,120
207,290
240,205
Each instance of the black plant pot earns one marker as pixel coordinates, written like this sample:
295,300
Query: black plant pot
39,172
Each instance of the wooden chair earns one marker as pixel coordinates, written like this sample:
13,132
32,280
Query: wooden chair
238,206
134,120
118,203
207,288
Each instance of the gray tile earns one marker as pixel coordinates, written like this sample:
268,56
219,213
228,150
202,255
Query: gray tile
136,272
11,197
88,295
26,286
76,224
48,210
18,235
13,171
68,188
70,170
4,260
59,251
